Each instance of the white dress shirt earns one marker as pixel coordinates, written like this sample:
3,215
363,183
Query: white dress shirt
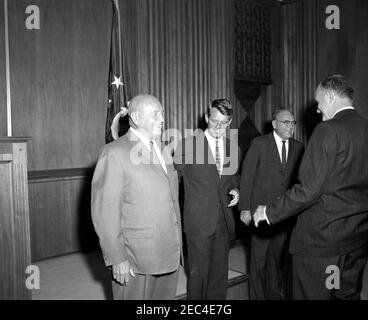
278,140
147,143
212,143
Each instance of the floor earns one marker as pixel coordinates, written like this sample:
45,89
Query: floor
83,276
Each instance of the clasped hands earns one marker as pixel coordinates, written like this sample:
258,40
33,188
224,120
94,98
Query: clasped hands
258,216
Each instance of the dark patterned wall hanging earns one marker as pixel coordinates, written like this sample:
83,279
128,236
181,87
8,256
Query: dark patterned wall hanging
252,42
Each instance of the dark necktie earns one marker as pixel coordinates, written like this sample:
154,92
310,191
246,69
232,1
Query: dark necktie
154,154
218,159
283,154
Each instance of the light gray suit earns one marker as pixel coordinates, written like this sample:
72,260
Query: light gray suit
135,208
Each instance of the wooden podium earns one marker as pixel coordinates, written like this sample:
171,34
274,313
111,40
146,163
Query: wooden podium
15,247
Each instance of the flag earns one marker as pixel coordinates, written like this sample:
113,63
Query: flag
116,81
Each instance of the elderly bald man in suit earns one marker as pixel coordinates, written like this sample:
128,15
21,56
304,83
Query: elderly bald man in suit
135,208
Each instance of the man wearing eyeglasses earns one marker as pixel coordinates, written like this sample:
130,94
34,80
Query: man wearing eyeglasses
269,169
208,163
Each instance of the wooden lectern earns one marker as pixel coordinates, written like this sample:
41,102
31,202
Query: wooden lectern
15,247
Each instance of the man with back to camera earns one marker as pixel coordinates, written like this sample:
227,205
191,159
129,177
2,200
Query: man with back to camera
135,208
269,169
329,243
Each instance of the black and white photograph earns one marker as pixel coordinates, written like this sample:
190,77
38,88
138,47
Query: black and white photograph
208,153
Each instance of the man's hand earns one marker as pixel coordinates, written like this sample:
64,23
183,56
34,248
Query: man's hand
246,217
120,272
235,199
259,215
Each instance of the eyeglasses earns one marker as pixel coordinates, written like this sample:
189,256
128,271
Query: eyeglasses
288,123
221,124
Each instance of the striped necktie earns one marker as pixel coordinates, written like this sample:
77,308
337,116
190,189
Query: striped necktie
218,159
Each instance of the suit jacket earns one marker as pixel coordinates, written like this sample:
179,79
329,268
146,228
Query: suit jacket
262,178
332,196
205,191
135,207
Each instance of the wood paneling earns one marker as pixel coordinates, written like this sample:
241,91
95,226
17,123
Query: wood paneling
346,50
294,48
6,230
2,74
60,212
58,80
299,63
15,248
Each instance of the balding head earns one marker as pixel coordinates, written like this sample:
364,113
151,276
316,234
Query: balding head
332,94
142,101
146,115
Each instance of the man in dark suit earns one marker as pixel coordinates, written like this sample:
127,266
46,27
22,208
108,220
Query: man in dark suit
208,163
329,243
135,209
269,169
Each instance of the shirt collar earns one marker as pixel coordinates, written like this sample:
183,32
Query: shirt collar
278,138
344,108
209,137
142,138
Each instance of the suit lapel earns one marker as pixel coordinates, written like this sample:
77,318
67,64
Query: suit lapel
142,155
291,154
167,159
209,158
227,156
273,149
138,151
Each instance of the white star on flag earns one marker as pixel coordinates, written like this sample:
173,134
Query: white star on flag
117,82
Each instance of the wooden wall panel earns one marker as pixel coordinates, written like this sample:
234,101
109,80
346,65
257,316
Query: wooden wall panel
59,76
50,220
7,246
294,48
60,214
3,122
15,247
271,94
346,50
299,64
